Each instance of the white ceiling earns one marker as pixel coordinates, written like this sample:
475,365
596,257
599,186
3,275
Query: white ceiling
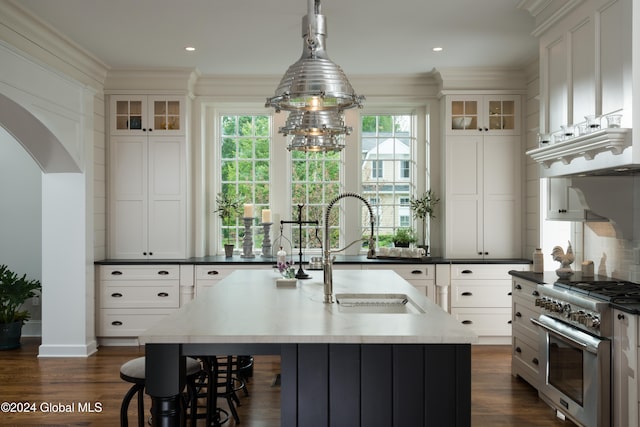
263,37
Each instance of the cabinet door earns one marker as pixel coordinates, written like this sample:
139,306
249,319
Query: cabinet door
625,369
167,197
166,115
464,214
501,114
463,114
128,115
128,183
563,202
501,200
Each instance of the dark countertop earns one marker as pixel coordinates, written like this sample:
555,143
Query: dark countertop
549,277
340,259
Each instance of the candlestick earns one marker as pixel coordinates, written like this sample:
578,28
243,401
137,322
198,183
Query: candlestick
266,216
248,210
247,242
266,242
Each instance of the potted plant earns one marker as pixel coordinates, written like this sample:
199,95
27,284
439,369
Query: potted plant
228,207
403,237
422,208
14,291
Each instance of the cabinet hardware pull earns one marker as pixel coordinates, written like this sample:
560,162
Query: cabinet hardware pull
163,272
486,129
116,323
466,272
144,253
509,322
467,294
416,272
518,350
535,293
509,294
163,294
116,273
116,295
518,287
479,253
486,253
518,314
535,360
150,253
620,316
212,272
467,322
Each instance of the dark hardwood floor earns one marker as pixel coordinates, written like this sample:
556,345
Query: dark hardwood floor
498,399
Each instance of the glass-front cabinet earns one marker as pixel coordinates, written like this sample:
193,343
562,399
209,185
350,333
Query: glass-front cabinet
495,114
132,114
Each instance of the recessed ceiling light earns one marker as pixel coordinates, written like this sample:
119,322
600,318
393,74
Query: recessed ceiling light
437,49
189,48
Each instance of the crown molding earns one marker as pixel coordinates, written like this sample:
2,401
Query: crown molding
548,12
29,34
158,80
488,78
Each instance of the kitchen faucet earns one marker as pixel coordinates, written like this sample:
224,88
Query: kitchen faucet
327,262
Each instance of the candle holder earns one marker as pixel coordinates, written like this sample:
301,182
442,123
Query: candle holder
266,242
247,242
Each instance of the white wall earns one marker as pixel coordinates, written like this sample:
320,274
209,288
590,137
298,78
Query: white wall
21,217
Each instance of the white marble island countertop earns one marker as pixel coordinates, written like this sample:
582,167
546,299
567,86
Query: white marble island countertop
248,307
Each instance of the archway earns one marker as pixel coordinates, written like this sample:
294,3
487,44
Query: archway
67,294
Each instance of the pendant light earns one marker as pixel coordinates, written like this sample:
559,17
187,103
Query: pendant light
316,92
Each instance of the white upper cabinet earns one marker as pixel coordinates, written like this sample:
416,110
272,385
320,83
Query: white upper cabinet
142,114
585,65
488,114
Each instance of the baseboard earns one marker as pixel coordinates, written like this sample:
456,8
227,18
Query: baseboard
67,350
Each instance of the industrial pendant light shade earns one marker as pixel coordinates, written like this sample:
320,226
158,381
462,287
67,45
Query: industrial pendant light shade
316,92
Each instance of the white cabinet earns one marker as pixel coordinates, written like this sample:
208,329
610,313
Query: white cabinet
147,191
525,353
421,276
146,115
625,369
131,298
584,65
482,197
481,299
482,114
564,204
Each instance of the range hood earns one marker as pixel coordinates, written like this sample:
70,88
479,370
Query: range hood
606,152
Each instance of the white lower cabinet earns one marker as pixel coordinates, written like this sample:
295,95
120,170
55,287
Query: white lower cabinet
625,384
481,299
525,353
131,298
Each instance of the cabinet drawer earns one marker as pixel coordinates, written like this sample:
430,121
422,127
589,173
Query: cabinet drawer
140,296
140,272
522,313
128,322
409,272
485,271
526,354
480,293
213,272
526,290
485,321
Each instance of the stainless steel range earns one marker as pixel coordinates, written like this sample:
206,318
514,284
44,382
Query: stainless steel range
577,326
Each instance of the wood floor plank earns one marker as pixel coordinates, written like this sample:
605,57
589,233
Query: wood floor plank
498,399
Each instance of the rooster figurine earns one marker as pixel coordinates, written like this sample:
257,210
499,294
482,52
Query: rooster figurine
565,260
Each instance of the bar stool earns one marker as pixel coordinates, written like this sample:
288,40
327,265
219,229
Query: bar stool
215,382
133,371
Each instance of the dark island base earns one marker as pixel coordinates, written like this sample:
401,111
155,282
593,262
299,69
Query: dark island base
340,384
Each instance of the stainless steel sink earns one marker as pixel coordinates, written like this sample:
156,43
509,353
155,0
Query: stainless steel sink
377,303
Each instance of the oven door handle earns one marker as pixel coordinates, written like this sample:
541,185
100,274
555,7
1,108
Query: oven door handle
565,337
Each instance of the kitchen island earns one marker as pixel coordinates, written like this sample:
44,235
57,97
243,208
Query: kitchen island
339,366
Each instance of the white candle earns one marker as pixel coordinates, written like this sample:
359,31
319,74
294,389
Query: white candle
266,215
248,210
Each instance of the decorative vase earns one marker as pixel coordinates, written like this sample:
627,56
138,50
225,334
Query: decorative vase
10,334
228,250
